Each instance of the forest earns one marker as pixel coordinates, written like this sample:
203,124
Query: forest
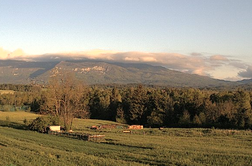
138,104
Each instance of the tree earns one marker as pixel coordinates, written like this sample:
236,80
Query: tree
137,105
63,98
184,120
41,123
115,106
98,104
242,101
196,121
156,119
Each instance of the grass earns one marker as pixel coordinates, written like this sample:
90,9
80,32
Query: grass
170,146
17,117
7,92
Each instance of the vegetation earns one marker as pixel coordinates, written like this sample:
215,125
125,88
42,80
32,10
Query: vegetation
170,146
18,117
40,124
149,106
11,88
63,99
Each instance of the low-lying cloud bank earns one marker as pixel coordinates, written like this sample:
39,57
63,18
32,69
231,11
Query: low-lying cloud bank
194,63
16,54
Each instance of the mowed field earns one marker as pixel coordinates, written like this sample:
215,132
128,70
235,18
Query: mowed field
6,91
170,146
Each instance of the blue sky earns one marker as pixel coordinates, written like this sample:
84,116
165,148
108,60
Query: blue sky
198,30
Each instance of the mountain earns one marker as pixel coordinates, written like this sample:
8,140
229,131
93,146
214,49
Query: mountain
22,72
101,72
245,81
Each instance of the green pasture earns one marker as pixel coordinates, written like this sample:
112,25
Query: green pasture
17,117
150,146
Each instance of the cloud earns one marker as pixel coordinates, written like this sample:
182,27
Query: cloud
16,54
218,58
3,53
131,59
247,73
93,54
149,59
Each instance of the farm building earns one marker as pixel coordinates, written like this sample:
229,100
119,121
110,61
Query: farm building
53,129
136,127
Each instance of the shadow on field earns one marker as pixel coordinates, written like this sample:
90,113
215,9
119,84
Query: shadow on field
5,123
110,142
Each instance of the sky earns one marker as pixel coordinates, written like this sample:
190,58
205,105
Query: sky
205,37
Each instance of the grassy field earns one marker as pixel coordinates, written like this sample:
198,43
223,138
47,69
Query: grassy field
171,146
17,117
7,92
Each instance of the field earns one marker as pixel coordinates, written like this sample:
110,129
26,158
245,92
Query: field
17,117
170,146
7,92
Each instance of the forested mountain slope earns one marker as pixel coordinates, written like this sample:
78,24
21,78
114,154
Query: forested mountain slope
99,72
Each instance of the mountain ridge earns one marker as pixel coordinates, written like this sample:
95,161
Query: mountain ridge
102,72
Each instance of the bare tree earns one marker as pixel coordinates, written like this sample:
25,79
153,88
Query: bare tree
63,98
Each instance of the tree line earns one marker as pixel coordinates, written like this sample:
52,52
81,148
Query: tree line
149,106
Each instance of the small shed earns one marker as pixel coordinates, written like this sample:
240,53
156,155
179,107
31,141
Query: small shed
137,127
54,128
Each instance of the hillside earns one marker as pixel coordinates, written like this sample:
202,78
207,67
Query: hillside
22,72
100,72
